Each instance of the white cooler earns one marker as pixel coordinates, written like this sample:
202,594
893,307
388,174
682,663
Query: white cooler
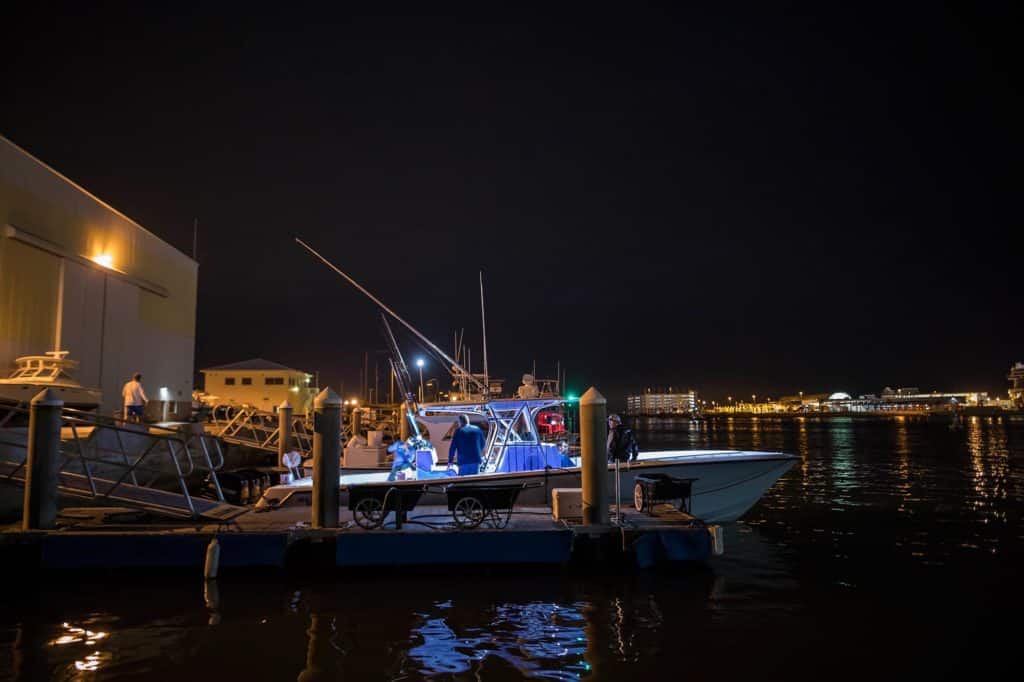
567,504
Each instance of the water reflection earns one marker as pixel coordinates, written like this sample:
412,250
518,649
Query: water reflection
876,515
989,467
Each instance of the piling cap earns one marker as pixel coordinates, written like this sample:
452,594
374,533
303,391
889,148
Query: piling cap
285,405
47,397
593,397
327,398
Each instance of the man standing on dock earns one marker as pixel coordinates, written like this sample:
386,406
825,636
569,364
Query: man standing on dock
622,445
467,447
134,399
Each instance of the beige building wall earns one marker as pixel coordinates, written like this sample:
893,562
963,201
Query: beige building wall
250,387
138,315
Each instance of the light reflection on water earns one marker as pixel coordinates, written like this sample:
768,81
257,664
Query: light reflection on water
896,534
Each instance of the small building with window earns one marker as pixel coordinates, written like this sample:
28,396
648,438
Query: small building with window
258,383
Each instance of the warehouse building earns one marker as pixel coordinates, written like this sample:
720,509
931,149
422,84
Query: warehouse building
77,275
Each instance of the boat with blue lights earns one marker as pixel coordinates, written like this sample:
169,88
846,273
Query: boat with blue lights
726,483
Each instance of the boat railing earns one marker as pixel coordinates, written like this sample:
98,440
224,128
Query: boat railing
105,458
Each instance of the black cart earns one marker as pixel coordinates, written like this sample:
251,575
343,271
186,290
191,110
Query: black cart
370,504
652,489
471,505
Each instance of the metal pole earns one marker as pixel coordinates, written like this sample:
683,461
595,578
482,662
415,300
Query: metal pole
594,457
284,430
483,325
618,495
41,466
326,458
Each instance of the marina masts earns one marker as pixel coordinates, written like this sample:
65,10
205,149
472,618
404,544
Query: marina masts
393,314
483,324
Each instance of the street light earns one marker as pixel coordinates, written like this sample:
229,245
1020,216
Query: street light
419,363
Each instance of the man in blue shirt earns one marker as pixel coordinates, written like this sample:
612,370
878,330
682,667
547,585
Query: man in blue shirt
467,447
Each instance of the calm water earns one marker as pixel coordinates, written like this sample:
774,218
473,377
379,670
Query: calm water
892,550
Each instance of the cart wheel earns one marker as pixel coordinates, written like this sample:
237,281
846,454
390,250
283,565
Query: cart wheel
500,517
639,497
468,512
369,513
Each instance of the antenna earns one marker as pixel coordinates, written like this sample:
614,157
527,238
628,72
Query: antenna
483,324
390,312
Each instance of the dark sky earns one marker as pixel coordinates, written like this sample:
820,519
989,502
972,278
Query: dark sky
738,199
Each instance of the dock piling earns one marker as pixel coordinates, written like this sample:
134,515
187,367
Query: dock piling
326,458
403,424
284,428
357,421
39,511
594,457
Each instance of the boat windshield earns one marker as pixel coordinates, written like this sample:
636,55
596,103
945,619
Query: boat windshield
513,443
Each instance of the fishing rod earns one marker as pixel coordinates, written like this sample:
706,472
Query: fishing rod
479,384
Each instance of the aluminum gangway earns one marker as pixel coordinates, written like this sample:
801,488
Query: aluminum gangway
107,459
259,429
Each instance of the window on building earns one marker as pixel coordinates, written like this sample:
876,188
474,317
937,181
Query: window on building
229,381
247,381
274,381
291,381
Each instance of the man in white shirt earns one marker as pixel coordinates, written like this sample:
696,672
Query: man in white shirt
134,399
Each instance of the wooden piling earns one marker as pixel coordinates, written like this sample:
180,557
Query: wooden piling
326,458
39,511
594,457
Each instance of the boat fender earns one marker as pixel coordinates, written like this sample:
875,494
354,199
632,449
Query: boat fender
717,540
212,560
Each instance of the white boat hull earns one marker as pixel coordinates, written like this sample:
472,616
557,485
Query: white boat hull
77,397
727,484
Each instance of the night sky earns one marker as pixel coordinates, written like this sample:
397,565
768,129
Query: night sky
739,199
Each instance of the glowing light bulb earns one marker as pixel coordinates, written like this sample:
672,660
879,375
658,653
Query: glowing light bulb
104,259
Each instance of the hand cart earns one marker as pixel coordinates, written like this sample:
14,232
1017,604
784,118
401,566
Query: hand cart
652,489
471,505
370,504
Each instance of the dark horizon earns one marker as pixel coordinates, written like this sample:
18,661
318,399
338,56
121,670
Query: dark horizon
812,198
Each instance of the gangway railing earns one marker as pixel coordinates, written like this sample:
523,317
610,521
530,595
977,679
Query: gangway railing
260,429
109,459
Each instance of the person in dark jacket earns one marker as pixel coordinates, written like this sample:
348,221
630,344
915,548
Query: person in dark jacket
622,445
467,447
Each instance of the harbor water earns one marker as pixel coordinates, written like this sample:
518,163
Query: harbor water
890,551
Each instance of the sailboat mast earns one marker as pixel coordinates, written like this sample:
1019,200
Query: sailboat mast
483,324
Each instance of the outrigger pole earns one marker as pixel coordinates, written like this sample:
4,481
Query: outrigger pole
393,314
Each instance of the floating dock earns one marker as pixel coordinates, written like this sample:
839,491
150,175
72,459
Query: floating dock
111,540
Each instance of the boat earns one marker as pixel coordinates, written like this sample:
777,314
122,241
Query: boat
726,483
54,371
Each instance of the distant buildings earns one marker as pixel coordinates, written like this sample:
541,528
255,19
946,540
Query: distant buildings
905,399
257,383
1016,377
652,404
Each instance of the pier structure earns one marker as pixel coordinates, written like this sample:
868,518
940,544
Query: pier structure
326,537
